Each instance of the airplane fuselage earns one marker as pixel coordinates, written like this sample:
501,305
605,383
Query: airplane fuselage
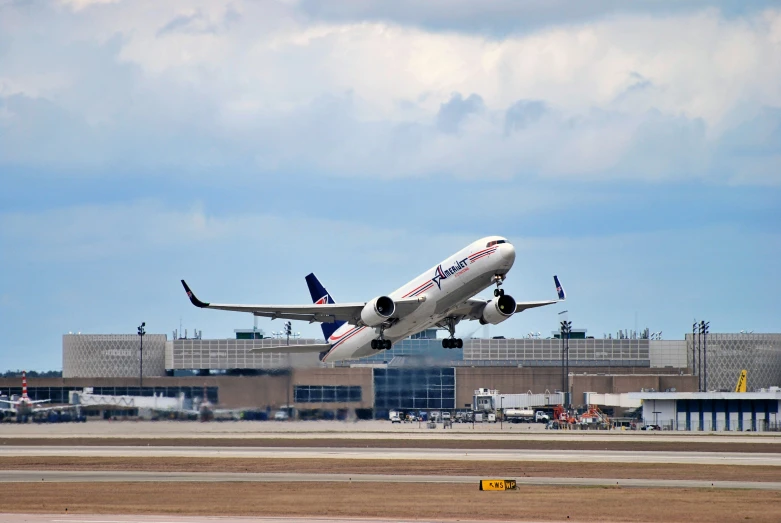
445,287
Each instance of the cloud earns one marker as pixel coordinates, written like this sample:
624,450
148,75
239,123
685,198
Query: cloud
264,88
499,18
78,5
455,110
522,114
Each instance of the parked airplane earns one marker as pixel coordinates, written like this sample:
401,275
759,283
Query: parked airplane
24,405
440,297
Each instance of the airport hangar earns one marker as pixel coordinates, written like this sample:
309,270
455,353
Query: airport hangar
416,374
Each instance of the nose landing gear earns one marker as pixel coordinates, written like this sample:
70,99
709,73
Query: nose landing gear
498,279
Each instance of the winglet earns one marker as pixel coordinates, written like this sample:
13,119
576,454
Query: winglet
559,288
195,301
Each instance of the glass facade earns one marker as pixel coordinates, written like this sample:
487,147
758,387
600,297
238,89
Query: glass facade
427,349
327,393
424,389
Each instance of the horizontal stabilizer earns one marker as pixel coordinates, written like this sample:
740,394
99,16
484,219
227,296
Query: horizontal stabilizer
294,349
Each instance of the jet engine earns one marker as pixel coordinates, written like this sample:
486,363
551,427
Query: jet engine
498,310
378,310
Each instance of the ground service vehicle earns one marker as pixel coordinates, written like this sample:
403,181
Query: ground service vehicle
541,417
519,415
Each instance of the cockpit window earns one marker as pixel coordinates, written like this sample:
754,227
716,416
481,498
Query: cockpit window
495,242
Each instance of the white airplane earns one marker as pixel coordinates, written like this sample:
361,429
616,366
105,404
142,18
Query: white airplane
440,297
24,405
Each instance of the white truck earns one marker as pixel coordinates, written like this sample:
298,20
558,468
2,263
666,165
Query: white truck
541,417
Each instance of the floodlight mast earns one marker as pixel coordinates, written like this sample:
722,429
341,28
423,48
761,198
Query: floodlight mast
566,328
694,355
141,332
704,325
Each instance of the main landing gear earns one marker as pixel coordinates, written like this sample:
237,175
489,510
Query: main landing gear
381,343
452,342
498,279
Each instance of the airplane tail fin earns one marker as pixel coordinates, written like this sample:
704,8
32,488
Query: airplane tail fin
559,288
24,385
320,296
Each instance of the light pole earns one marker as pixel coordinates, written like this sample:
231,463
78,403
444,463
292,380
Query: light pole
694,352
141,333
566,328
704,363
288,332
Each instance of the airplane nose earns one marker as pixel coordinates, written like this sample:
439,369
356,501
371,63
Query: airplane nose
508,253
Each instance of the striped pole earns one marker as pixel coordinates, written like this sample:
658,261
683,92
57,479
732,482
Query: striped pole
24,385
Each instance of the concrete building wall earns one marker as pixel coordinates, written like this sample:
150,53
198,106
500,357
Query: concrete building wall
217,354
629,383
112,355
728,354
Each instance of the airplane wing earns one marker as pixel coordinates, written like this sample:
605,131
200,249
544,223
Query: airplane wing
473,307
324,313
294,349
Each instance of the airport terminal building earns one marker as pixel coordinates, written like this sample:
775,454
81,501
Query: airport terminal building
417,373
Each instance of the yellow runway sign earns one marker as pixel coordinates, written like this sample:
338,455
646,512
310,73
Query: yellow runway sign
498,484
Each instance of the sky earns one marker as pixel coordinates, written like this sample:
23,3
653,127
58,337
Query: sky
634,149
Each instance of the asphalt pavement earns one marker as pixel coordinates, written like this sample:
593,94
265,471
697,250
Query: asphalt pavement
517,455
38,476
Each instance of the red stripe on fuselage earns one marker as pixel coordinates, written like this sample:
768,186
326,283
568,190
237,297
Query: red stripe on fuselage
416,288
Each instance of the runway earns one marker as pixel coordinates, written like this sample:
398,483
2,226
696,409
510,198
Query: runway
35,476
569,456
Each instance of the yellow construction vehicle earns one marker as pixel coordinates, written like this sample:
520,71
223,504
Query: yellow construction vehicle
741,386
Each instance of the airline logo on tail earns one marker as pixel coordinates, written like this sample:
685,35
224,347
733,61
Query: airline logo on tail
559,289
322,301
